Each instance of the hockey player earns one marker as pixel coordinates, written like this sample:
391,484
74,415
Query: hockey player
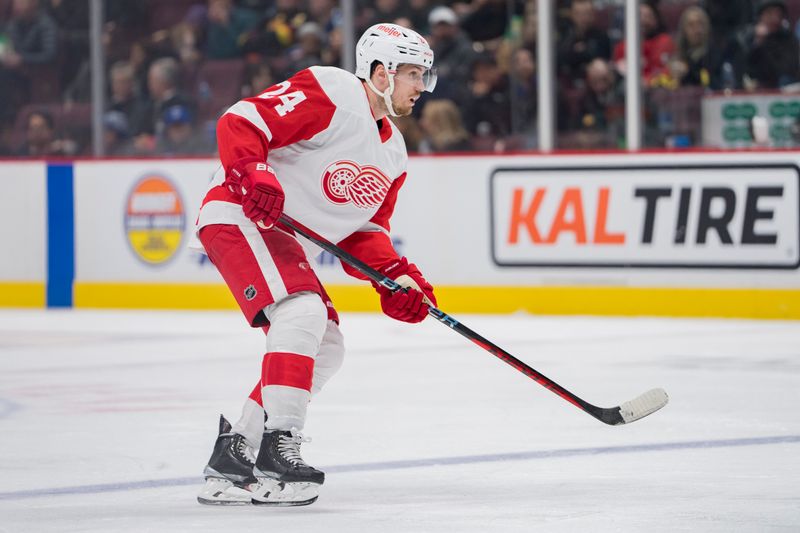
321,148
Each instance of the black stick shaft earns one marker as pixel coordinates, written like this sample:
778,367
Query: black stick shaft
447,320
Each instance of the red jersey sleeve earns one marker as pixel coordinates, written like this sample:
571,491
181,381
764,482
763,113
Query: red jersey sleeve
372,243
294,110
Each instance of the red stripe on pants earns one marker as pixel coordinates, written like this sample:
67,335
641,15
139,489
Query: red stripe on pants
288,369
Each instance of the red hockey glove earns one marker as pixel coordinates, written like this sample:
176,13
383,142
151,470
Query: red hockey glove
410,306
262,195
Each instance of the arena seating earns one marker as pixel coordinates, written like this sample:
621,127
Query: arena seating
218,86
167,13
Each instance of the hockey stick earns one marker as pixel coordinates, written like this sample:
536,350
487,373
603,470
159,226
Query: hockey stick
641,406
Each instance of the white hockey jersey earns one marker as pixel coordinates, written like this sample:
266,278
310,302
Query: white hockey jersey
339,171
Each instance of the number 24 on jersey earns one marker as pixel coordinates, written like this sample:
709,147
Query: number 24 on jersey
288,100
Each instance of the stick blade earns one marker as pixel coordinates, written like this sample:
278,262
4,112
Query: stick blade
643,405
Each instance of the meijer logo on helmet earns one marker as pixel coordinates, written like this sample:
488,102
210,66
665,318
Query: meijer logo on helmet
389,30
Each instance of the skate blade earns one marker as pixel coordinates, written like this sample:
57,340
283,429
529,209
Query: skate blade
285,494
218,491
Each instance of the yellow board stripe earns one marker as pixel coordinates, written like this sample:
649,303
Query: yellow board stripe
22,294
152,296
626,301
614,301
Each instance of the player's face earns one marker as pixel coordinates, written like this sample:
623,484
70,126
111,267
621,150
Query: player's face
408,86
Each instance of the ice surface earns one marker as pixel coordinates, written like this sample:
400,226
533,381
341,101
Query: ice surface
107,419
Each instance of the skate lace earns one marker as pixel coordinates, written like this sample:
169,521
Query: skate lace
289,447
244,451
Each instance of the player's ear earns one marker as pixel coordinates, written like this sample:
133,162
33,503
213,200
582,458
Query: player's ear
379,77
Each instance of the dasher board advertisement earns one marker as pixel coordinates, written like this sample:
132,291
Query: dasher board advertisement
699,216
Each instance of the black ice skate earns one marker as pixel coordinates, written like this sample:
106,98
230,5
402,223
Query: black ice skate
283,477
229,472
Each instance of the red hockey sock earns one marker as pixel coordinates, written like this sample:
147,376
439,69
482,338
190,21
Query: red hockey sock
256,394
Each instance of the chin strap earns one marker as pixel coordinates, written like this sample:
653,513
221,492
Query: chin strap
386,95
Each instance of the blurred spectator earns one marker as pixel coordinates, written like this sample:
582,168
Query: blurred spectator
698,61
140,62
185,40
255,6
325,13
690,66
331,53
404,22
32,34
600,119
773,58
116,134
489,112
484,20
382,11
657,45
179,136
227,28
307,52
257,78
728,16
530,27
275,31
727,58
443,128
412,133
31,39
40,137
163,80
125,22
6,134
72,20
453,54
418,11
125,97
524,96
581,42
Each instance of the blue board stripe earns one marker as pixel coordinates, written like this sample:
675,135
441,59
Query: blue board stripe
60,235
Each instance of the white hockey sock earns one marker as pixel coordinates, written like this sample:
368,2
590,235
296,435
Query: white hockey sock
330,357
251,424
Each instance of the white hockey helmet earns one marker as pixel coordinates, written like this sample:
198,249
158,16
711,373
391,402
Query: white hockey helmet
393,45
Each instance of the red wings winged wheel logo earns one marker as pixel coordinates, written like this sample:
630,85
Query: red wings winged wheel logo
345,181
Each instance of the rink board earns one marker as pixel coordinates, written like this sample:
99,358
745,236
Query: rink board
23,226
697,234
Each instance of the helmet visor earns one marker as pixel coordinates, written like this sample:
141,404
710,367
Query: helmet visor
426,78
429,79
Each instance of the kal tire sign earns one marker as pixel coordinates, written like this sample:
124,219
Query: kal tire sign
742,216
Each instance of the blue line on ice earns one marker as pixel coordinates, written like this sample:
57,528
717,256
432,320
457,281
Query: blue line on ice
419,463
7,407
